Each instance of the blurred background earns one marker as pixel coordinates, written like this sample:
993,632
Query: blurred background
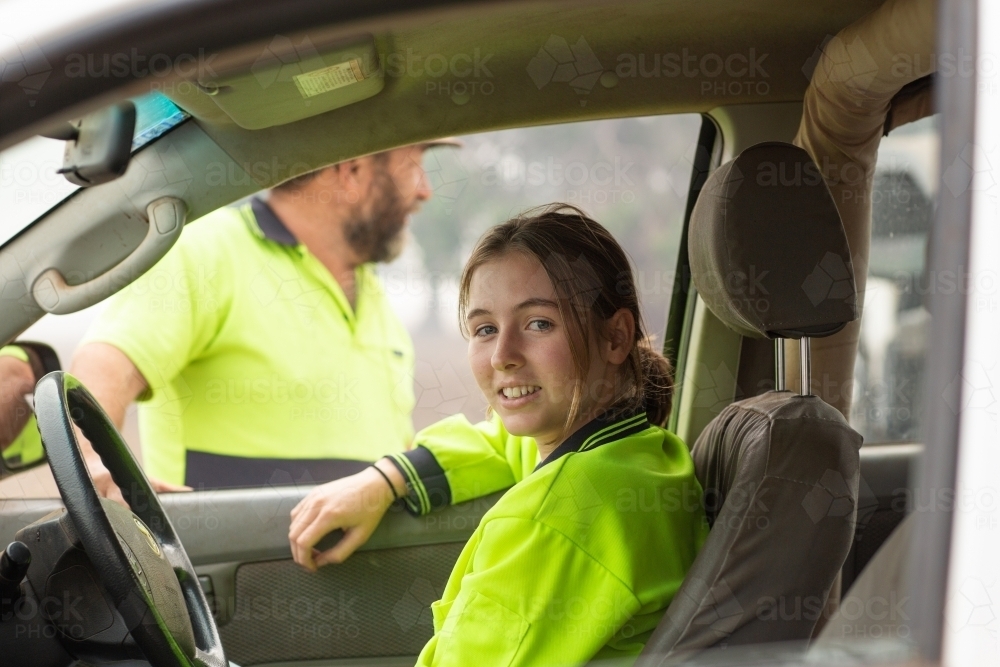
632,175
889,371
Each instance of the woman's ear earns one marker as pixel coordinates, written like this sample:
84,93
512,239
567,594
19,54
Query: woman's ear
621,336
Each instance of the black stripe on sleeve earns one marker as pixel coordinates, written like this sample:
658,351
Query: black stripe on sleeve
427,485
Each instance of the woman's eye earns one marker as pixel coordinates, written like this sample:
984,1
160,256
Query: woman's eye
486,330
540,325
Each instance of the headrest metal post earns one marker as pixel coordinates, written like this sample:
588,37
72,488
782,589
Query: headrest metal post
805,367
779,364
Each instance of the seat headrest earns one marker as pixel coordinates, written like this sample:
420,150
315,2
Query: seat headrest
768,250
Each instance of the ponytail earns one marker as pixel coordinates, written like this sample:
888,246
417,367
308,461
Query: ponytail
657,383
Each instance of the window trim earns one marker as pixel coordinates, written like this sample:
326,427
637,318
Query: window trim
683,296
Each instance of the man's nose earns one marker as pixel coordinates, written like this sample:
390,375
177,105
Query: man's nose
424,189
507,354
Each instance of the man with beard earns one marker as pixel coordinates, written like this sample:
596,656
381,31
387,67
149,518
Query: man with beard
262,349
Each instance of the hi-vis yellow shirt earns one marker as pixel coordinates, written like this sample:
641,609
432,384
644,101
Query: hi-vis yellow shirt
579,559
27,447
251,349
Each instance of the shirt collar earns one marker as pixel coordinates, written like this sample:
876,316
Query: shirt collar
601,430
270,225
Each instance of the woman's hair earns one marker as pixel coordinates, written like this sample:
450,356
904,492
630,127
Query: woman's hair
593,279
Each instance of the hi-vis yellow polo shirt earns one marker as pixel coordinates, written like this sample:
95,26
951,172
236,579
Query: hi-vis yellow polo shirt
26,447
582,555
253,353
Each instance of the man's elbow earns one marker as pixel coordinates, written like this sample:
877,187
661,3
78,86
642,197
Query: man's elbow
109,375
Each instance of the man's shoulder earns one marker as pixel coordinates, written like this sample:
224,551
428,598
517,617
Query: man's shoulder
228,223
214,237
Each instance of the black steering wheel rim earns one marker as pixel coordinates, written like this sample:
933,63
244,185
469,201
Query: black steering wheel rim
60,402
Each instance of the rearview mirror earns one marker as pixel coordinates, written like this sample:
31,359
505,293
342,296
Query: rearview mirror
98,146
22,364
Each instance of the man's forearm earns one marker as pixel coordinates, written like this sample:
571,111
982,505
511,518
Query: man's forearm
110,376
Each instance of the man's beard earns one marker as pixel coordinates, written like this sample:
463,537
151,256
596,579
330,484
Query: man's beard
381,235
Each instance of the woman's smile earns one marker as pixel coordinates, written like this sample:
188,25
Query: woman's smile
514,397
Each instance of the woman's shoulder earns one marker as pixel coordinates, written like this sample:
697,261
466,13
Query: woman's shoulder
634,496
644,456
599,479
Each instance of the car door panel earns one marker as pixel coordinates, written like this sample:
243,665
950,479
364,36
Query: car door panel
374,607
375,604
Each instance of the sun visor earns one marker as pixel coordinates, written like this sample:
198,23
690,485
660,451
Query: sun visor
292,80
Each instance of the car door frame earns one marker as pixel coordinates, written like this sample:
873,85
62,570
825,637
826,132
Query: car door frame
951,548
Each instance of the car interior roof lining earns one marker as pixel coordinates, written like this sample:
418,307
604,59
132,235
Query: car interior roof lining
784,39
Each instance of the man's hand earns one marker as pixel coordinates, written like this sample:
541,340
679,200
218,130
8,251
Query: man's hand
106,487
355,504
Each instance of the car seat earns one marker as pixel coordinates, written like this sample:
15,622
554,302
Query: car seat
780,471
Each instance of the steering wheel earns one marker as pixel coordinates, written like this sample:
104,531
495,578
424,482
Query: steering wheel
137,554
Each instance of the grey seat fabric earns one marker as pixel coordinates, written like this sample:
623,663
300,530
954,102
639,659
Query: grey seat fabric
780,471
781,474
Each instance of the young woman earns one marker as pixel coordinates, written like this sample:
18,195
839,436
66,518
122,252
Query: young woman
582,556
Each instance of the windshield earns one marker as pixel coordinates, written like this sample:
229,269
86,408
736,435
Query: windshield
29,184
